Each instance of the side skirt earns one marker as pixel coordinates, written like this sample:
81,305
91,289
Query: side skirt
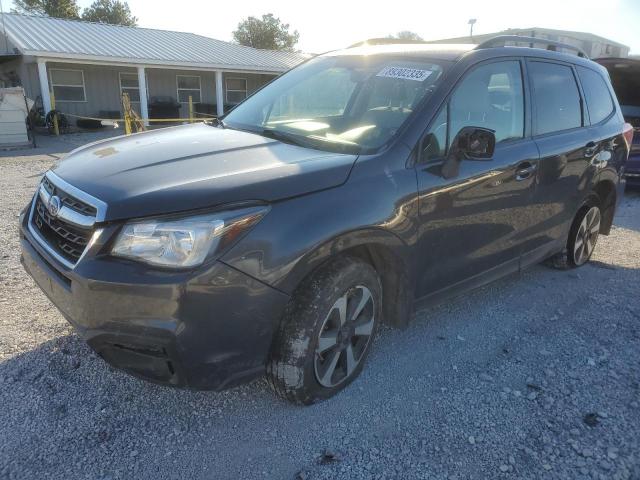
467,284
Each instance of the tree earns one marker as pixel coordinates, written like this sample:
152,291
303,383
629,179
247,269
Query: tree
407,35
269,33
113,12
51,8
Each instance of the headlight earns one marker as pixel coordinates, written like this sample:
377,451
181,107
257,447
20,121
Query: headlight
184,242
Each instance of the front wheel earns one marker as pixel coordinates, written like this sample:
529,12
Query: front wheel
326,332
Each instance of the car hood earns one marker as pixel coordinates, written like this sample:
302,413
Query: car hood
197,166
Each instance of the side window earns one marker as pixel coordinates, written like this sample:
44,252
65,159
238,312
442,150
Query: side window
490,96
434,144
596,94
556,97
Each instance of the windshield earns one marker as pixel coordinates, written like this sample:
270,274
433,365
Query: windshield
343,103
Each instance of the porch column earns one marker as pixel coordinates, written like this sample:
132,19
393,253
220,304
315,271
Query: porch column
44,86
219,94
142,88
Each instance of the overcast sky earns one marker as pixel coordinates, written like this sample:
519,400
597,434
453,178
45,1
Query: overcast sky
330,24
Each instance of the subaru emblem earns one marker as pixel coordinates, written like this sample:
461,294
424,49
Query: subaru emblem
54,206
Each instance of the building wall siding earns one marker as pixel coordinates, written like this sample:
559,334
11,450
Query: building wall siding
165,82
101,89
102,85
29,78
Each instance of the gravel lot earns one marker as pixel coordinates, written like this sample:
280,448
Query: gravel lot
536,376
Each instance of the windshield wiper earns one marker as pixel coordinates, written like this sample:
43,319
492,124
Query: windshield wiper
283,137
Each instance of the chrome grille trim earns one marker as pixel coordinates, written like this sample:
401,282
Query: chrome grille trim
67,214
99,205
71,216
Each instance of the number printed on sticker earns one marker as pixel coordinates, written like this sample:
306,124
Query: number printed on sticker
405,73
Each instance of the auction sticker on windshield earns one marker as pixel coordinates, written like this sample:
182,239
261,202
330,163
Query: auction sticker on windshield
405,73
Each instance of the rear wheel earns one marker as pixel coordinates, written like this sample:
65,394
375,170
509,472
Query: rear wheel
582,239
327,332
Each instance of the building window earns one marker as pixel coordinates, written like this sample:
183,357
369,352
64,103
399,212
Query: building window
236,90
188,86
68,85
129,84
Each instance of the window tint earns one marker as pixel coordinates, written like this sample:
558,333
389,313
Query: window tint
434,144
556,97
596,94
490,96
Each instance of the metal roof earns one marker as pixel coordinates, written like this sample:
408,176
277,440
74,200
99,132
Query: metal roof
57,38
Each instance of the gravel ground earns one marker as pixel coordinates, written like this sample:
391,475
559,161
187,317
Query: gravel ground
535,376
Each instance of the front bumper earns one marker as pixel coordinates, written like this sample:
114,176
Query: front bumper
208,329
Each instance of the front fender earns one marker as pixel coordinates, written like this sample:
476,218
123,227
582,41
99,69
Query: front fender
376,208
375,240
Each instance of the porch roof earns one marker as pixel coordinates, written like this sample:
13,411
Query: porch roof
55,38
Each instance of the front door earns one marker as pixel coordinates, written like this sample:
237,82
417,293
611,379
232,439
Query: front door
470,223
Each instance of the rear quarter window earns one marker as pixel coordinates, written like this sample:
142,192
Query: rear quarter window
596,93
556,97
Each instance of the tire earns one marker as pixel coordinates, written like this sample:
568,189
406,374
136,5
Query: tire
320,338
582,239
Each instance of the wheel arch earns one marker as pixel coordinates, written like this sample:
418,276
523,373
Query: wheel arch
605,190
384,251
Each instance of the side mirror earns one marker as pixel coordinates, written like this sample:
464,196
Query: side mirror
471,143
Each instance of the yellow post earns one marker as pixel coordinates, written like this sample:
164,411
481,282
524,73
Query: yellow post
56,129
190,109
127,124
125,110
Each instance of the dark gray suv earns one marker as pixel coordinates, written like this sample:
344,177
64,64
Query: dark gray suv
334,199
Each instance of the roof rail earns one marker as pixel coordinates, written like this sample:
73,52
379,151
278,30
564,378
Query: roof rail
501,40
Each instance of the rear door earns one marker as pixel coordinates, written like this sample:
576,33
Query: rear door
561,132
605,124
469,224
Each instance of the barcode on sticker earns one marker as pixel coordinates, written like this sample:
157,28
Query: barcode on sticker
405,73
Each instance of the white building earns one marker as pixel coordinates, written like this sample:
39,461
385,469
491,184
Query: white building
593,45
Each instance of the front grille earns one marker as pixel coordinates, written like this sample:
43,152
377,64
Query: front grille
68,200
64,238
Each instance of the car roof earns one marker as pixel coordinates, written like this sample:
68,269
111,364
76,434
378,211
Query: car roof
455,52
430,50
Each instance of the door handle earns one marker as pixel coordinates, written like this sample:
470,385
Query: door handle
590,149
524,170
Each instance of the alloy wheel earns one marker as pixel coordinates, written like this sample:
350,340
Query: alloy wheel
344,336
586,236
